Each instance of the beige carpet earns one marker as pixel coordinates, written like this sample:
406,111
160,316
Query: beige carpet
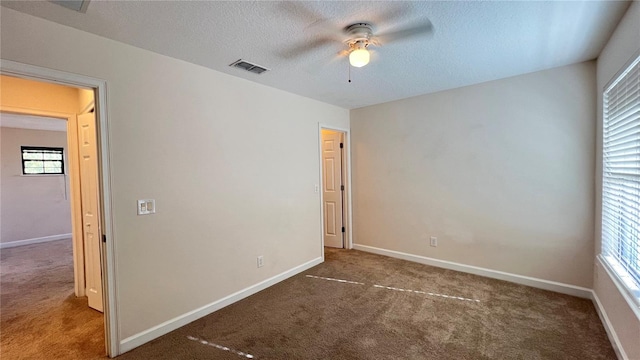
390,309
40,318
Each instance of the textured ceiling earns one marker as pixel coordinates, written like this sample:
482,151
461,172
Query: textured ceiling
472,41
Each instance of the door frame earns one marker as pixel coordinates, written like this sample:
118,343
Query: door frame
346,168
74,187
31,72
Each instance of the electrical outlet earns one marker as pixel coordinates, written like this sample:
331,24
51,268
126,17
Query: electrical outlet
260,261
316,189
434,241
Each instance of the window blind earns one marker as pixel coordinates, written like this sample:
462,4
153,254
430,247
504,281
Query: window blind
621,177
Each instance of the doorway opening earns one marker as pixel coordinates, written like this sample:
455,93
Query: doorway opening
28,91
335,187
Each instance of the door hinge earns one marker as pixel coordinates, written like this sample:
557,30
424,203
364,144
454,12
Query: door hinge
341,145
343,229
104,238
342,187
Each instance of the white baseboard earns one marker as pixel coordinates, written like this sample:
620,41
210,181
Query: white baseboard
11,244
145,336
494,274
608,327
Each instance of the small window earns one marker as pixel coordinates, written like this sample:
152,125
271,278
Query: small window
42,160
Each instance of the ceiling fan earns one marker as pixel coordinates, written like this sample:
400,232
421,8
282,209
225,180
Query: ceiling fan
360,37
357,37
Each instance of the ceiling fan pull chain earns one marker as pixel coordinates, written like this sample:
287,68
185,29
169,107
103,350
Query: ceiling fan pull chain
349,66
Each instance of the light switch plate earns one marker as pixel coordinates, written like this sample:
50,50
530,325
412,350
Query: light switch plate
146,206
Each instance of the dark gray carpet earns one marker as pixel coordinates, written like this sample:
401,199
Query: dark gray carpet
389,309
393,310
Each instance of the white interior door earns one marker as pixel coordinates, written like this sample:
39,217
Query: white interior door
332,187
90,208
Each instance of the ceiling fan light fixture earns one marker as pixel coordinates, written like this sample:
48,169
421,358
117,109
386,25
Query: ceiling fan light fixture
360,56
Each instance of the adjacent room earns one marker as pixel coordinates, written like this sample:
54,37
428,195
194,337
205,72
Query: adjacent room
328,179
47,263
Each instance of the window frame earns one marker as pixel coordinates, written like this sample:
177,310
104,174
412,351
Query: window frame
42,148
622,277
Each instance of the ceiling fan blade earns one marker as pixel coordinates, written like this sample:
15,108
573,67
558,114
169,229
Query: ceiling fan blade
393,13
343,53
305,47
317,24
421,29
297,10
327,28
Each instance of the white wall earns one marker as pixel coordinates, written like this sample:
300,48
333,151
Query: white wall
500,172
232,166
624,43
33,206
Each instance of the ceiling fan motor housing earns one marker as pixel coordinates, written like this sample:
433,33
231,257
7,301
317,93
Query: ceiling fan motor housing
359,34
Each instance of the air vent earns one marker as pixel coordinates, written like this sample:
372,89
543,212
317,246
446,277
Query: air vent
76,5
245,65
